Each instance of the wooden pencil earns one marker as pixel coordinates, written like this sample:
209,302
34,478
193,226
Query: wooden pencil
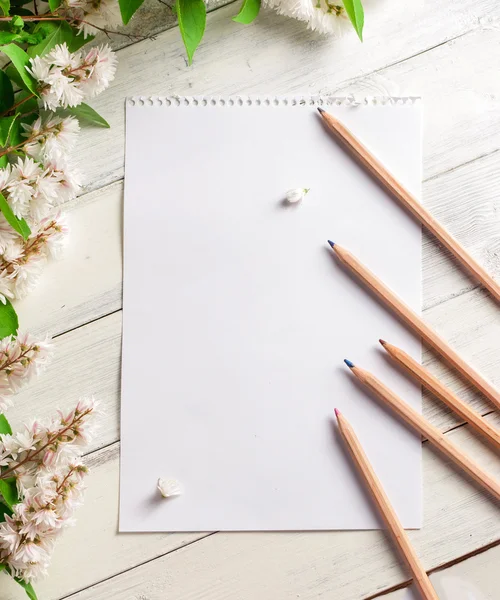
416,323
385,508
432,383
417,422
377,170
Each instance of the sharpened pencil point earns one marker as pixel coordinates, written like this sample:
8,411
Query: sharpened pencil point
337,412
349,363
383,342
321,111
332,244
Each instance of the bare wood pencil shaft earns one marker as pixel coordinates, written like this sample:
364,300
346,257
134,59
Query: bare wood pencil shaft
423,376
411,203
417,421
386,510
417,324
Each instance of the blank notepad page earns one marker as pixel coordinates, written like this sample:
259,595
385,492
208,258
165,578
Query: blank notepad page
237,318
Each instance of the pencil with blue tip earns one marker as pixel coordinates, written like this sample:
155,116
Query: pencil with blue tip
415,322
416,421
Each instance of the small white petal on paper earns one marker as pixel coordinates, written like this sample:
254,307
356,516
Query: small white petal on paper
296,195
169,487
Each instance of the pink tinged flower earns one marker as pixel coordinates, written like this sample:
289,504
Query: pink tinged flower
5,287
103,61
66,78
51,138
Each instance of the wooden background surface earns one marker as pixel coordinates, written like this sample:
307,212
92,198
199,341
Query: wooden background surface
448,52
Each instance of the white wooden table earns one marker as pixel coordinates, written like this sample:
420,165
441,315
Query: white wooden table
448,52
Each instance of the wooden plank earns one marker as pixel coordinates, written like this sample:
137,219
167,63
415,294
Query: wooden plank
475,578
466,202
459,519
257,59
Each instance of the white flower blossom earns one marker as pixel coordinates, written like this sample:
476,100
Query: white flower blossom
50,138
22,261
296,195
66,78
102,71
21,185
20,359
45,459
320,15
104,14
169,487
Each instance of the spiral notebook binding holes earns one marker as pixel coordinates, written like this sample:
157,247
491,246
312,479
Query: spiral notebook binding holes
269,101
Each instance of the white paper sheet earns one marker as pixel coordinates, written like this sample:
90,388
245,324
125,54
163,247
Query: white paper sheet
237,318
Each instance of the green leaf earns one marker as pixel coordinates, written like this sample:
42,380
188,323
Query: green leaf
128,8
5,6
6,37
18,225
192,15
6,124
356,14
8,320
53,33
5,425
3,161
54,5
8,489
248,11
6,93
20,60
28,588
86,114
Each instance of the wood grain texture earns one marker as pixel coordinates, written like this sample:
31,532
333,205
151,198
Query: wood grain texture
458,519
476,578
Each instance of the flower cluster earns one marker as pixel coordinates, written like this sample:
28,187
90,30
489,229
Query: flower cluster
320,15
20,359
68,78
22,260
92,15
45,460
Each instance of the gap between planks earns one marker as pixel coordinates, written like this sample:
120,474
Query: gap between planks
444,566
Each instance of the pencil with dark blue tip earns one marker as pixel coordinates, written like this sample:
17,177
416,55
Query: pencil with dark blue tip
416,421
415,322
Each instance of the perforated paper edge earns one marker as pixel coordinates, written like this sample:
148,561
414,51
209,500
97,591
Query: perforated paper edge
158,101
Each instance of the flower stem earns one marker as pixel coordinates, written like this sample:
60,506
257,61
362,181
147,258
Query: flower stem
17,104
